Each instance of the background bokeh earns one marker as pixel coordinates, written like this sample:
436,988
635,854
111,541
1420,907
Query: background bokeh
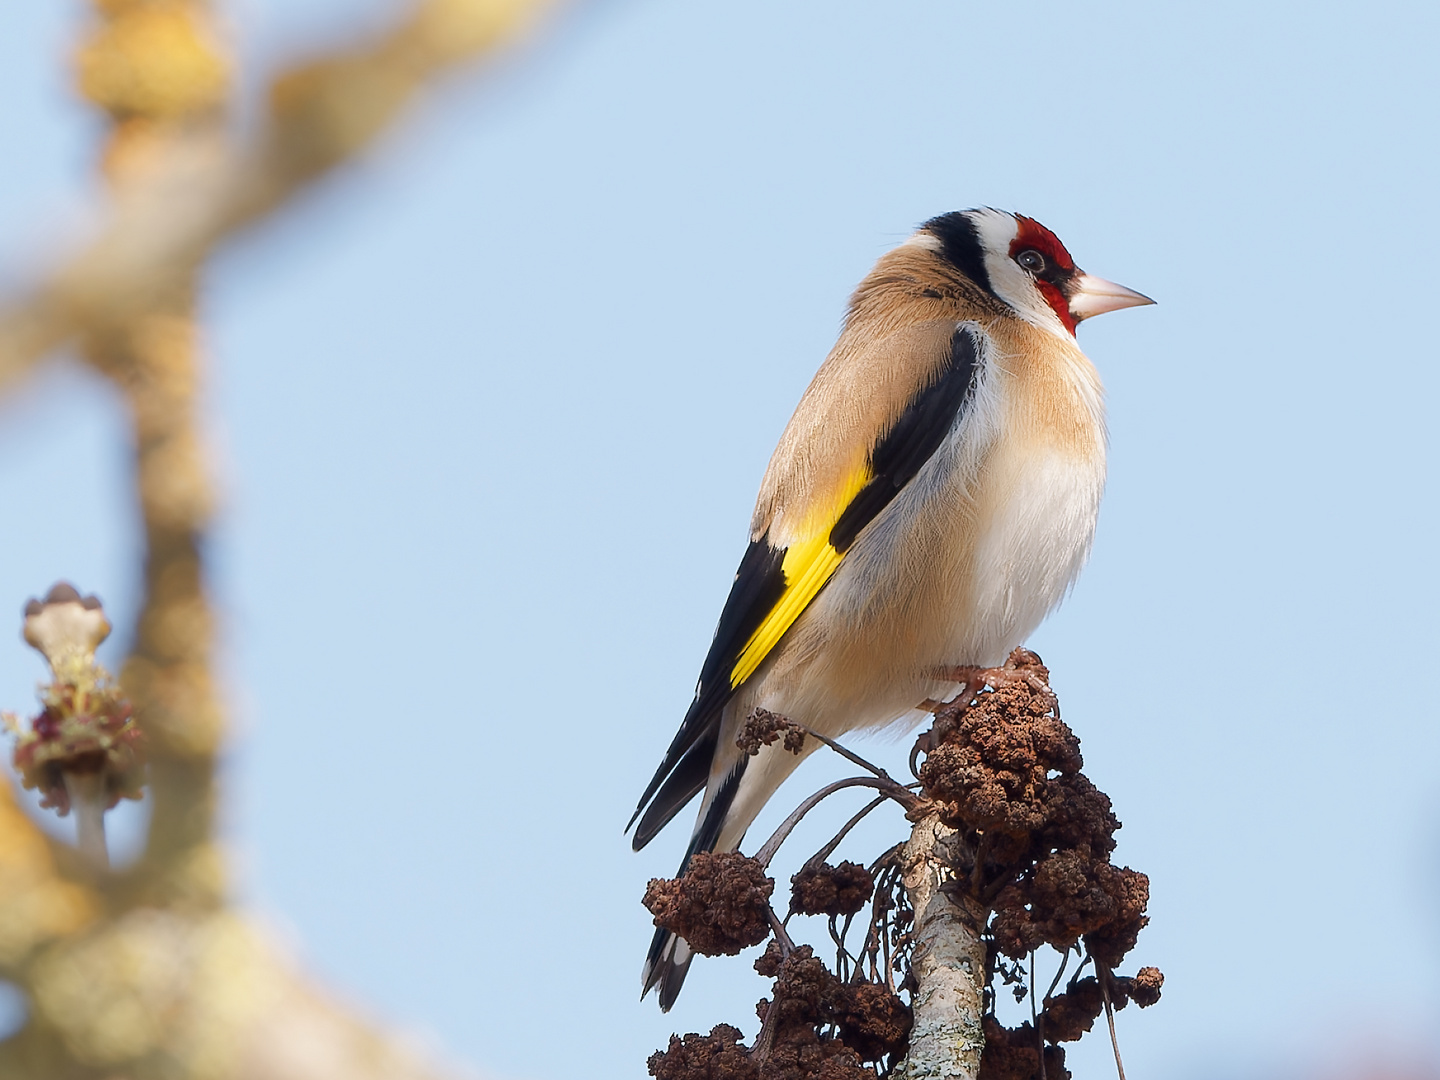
492,410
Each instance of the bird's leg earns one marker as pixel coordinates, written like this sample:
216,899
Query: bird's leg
924,743
1016,671
945,712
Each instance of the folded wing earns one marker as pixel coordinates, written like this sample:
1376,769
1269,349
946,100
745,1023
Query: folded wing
774,585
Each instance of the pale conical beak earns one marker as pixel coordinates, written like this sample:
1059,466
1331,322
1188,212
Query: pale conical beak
1097,296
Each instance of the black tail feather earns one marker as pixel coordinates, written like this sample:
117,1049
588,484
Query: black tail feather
679,788
661,967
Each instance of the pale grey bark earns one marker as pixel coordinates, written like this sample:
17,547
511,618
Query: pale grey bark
948,960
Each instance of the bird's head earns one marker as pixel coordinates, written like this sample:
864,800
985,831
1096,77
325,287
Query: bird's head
1025,266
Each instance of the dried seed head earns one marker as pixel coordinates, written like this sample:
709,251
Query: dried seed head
762,728
717,1056
831,890
720,905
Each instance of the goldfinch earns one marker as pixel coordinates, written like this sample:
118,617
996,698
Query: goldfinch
932,499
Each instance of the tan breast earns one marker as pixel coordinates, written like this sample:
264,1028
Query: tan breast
1053,392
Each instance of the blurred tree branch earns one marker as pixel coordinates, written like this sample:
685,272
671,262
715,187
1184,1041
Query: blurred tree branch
145,972
185,184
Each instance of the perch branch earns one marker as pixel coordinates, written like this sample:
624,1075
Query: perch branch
948,963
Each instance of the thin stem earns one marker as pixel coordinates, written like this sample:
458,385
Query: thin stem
1064,959
870,947
842,955
829,849
786,945
1035,1018
765,1038
876,940
87,803
889,787
847,754
1104,973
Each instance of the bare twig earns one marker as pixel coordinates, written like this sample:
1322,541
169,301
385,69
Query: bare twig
786,945
1035,1018
1064,960
892,790
876,946
849,755
860,815
1104,973
199,189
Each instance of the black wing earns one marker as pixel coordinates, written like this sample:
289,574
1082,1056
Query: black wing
759,584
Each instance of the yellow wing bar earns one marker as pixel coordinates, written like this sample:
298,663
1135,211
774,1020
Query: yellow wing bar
807,566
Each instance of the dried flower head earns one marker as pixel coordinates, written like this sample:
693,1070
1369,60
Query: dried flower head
720,905
717,1056
762,728
869,1022
85,727
831,890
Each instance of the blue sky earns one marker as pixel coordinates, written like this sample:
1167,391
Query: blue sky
490,412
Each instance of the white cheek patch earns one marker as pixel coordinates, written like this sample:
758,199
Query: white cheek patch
1017,288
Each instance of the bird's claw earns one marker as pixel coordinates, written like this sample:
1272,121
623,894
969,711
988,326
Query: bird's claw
1019,669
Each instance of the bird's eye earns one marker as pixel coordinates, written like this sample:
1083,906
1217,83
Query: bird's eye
1031,260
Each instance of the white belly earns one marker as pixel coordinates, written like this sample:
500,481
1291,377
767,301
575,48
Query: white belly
1037,525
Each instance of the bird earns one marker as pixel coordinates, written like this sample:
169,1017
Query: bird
932,499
